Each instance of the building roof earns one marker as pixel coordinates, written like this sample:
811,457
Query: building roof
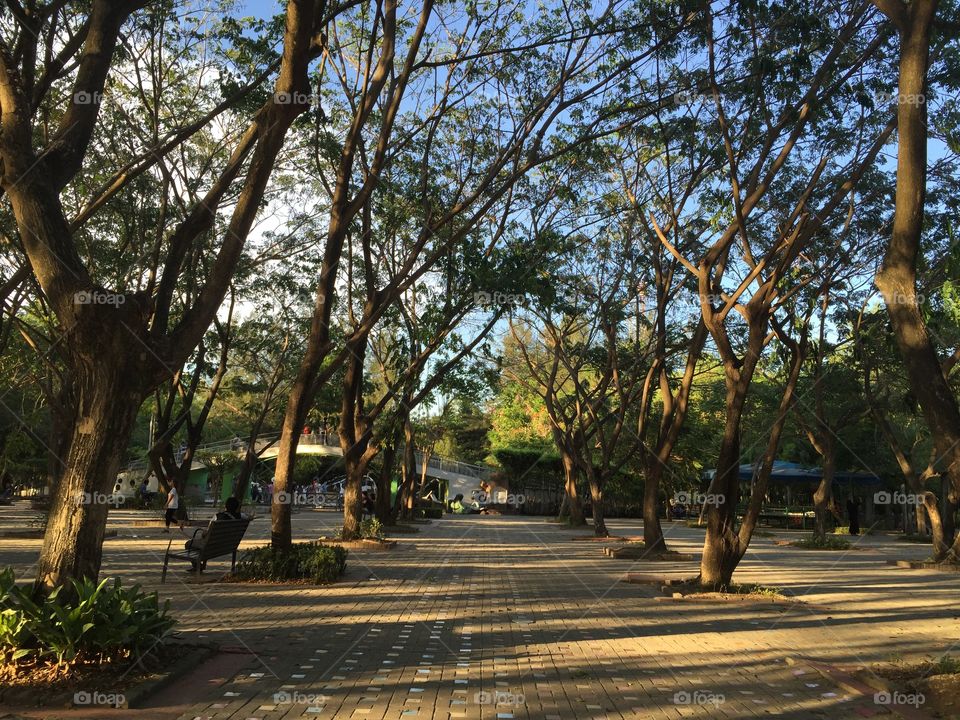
791,472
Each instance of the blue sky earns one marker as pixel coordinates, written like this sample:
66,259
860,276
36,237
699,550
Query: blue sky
260,8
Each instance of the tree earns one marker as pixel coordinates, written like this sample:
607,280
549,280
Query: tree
763,237
897,278
106,381
479,96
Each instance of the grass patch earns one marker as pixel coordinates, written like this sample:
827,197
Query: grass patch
754,590
845,530
829,542
944,665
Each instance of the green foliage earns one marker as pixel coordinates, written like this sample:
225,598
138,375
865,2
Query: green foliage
309,466
466,433
311,561
371,528
829,542
523,463
94,621
754,590
845,530
945,665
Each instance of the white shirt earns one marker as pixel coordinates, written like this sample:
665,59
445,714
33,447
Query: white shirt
173,500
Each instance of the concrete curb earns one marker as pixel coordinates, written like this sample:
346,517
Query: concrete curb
924,565
187,664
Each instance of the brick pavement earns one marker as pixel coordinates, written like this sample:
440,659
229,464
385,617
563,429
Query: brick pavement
489,617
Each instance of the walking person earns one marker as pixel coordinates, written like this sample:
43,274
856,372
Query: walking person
853,512
173,504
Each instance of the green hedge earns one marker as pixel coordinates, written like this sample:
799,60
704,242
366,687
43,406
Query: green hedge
94,623
312,561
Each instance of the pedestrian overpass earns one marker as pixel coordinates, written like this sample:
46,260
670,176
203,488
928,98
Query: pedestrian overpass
461,478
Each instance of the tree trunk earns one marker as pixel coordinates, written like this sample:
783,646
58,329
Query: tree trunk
941,545
404,501
596,500
897,277
281,531
823,496
652,530
721,547
354,466
382,503
106,409
572,499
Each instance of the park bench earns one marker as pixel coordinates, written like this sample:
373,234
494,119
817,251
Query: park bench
222,538
784,517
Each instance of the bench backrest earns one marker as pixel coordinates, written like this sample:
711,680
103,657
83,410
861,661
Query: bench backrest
223,537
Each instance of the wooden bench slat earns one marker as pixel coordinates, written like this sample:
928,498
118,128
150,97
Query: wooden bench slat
223,538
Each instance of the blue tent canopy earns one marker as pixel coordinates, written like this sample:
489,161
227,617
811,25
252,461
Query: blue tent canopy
790,472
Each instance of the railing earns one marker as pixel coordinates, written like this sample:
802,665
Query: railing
327,439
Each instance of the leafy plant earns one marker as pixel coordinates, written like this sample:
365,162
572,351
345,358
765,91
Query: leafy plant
829,542
945,665
371,528
94,621
312,561
845,530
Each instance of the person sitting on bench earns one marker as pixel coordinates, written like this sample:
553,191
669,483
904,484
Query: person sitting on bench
231,511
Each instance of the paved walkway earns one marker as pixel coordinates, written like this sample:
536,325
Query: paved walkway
496,617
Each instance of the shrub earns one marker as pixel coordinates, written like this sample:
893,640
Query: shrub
845,530
829,542
945,665
371,528
303,561
94,622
